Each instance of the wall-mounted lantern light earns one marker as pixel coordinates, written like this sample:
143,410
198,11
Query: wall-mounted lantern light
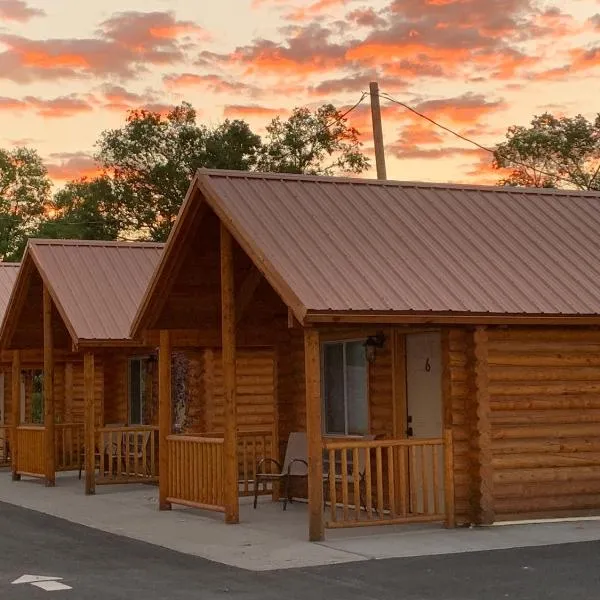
372,343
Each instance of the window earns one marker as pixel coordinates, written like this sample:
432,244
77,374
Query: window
137,390
346,409
35,379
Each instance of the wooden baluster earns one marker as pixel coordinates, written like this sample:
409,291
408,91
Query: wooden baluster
378,462
412,454
356,483
368,484
206,472
344,474
332,486
244,443
436,487
391,481
425,478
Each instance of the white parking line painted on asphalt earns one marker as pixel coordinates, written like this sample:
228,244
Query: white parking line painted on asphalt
52,586
44,582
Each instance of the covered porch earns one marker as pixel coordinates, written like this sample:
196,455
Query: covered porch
349,391
82,395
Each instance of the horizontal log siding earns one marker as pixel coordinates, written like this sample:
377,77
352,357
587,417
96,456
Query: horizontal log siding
459,393
545,413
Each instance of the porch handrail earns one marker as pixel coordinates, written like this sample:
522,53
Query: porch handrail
127,454
69,441
195,467
386,481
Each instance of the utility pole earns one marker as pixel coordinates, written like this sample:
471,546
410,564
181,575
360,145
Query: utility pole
377,130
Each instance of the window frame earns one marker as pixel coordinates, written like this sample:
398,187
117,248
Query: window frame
143,360
343,342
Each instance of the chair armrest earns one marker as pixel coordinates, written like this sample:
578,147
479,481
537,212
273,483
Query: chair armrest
262,461
295,460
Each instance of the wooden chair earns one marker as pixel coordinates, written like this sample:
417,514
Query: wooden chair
110,450
136,452
295,464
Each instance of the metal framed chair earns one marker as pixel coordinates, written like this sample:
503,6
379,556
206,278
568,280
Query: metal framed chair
295,464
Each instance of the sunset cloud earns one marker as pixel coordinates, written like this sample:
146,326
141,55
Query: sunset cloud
65,166
19,11
64,106
250,111
210,82
315,9
126,45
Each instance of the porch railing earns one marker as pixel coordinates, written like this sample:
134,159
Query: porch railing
127,454
253,445
195,471
31,457
385,481
5,441
69,439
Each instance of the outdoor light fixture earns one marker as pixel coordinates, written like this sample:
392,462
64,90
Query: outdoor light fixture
372,343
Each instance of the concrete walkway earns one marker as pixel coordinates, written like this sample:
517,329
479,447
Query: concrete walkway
267,538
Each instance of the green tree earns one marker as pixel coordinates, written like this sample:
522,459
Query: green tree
152,159
316,142
552,152
24,194
85,210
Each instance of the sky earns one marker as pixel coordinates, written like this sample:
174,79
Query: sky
70,69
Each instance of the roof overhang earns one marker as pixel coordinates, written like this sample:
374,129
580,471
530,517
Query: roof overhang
446,318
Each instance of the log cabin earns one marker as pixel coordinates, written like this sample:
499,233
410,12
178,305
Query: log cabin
447,334
81,391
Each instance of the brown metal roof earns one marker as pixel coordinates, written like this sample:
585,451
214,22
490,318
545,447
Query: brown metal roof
353,246
96,286
8,276
367,245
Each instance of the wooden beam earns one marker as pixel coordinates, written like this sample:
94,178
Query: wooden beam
68,392
473,319
232,508
399,407
483,430
16,411
448,425
247,291
312,370
48,392
164,418
90,421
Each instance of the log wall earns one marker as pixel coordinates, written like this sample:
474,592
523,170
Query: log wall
545,414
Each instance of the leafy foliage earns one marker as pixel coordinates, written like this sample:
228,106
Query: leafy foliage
24,193
552,152
315,143
84,210
152,160
148,165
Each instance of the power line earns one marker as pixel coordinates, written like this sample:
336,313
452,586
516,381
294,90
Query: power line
471,141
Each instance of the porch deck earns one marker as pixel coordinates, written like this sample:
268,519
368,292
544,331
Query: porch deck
267,538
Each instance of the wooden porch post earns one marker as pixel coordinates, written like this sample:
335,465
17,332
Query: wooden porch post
164,418
16,410
483,430
49,391
90,421
230,467
312,354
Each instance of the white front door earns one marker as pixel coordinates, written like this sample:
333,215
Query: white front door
424,384
424,417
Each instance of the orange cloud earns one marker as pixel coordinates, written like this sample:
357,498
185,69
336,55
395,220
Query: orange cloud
18,10
65,106
125,45
319,7
246,111
68,166
211,82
